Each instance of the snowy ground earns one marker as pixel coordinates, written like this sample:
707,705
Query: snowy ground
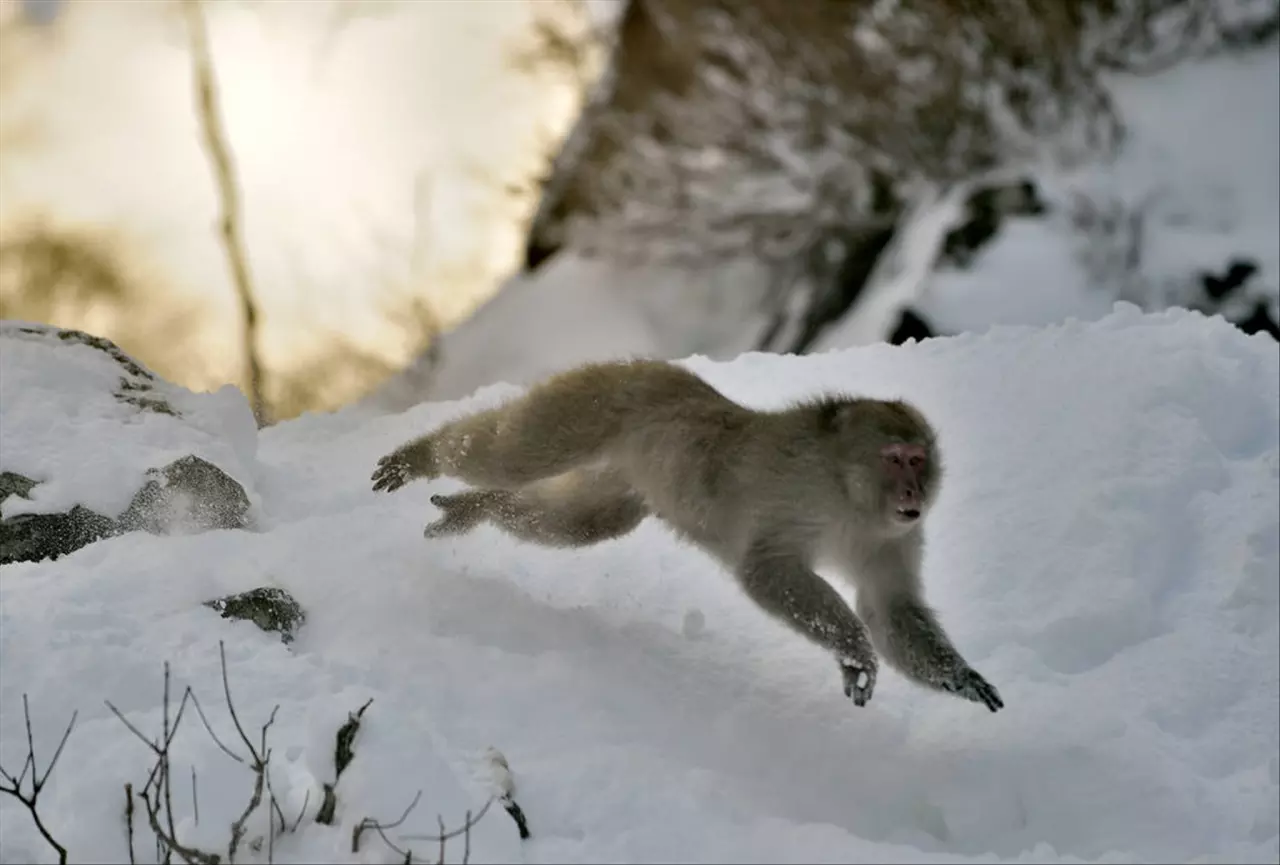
1106,551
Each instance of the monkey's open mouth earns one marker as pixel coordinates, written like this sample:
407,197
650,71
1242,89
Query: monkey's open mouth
909,514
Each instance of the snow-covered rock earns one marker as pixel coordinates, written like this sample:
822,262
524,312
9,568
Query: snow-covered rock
93,443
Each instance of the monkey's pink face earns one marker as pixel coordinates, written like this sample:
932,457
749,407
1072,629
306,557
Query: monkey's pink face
909,473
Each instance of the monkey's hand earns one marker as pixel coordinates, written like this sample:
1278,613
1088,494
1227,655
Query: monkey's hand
393,471
859,678
970,685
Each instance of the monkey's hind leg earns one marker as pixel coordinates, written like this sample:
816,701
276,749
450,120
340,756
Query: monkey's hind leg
573,510
566,422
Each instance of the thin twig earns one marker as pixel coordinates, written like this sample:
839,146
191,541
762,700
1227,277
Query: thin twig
306,800
128,819
14,784
370,823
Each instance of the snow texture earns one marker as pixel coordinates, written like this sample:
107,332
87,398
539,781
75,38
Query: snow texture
1106,550
68,423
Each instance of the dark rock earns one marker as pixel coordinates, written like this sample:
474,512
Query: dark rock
188,495
986,209
272,609
34,537
837,268
1260,321
910,326
14,484
1238,273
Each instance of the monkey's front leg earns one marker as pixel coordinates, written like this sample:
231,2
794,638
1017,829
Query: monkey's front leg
409,462
783,585
909,636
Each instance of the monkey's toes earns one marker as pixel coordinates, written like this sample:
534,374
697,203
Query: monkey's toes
859,681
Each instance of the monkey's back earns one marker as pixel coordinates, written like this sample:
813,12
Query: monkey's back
677,446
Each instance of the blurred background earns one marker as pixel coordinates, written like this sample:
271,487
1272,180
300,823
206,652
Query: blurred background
370,203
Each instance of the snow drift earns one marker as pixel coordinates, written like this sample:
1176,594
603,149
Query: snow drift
1105,550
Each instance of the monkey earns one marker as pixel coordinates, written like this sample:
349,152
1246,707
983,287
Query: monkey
835,480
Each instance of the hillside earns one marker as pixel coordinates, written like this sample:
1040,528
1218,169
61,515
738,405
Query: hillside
1105,551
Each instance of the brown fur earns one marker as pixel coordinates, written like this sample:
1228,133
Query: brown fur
588,454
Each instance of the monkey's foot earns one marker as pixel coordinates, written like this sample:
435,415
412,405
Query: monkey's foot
970,685
462,513
859,680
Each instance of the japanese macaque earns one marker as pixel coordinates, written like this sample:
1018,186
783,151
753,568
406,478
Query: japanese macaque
838,481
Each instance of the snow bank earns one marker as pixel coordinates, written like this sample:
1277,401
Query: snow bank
1106,550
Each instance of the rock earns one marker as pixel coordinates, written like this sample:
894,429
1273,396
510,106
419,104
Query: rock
985,210
33,537
1239,272
95,444
910,326
135,386
1261,320
14,484
188,495
272,609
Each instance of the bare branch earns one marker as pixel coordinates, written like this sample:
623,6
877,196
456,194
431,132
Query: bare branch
13,785
215,140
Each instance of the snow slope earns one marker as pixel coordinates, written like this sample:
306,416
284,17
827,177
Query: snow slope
1106,550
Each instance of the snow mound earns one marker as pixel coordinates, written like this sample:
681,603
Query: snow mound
1105,550
86,421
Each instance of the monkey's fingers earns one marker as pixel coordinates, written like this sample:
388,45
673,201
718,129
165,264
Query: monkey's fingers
859,681
989,696
974,687
391,474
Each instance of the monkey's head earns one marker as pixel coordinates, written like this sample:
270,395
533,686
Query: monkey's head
893,468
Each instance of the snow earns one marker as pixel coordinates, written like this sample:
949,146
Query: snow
1105,550
64,427
1198,173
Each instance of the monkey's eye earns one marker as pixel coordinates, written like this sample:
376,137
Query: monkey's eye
916,461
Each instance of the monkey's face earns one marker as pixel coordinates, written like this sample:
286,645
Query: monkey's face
909,475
